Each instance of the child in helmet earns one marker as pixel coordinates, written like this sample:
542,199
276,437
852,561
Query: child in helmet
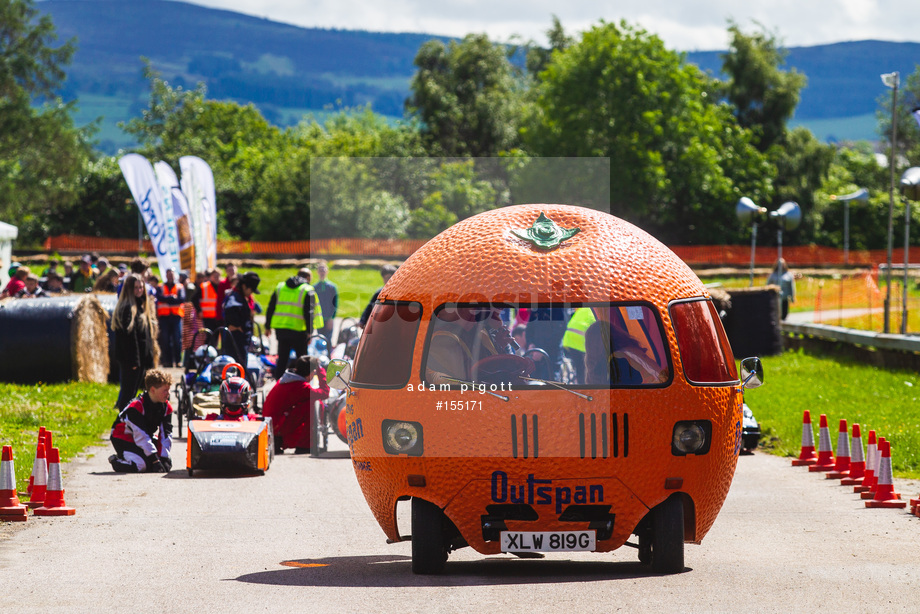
235,395
142,432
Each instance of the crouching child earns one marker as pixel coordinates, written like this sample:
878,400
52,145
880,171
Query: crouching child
142,432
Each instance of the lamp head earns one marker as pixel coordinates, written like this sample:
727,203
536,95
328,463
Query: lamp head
746,210
789,214
862,195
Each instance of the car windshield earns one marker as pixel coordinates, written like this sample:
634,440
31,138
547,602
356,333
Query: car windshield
586,346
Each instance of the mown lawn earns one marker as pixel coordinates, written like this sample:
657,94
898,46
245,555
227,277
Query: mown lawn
356,286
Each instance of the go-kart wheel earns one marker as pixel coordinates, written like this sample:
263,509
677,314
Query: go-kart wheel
667,538
429,550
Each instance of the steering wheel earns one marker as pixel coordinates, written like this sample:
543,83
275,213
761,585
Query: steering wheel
500,368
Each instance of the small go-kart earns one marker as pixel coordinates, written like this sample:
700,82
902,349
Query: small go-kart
222,445
328,417
233,439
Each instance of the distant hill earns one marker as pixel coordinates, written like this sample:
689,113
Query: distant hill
287,71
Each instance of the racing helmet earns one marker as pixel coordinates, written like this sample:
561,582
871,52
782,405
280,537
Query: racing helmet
318,346
235,393
217,367
205,354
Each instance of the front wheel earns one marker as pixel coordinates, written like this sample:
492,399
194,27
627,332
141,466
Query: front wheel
429,548
667,539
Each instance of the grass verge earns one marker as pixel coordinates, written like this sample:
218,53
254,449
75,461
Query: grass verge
76,414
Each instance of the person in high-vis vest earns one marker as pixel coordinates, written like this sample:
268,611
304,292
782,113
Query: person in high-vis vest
293,313
170,310
573,341
206,301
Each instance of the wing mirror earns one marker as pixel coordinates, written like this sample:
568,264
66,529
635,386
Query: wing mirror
751,372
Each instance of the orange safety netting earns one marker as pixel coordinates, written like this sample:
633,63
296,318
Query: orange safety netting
699,255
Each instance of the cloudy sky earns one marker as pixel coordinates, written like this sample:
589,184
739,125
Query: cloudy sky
684,25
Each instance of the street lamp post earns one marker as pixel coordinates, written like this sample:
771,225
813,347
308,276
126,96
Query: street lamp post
747,211
891,80
862,194
910,188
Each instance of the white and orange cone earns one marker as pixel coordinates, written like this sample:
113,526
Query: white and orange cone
807,454
39,477
41,435
842,464
857,460
885,496
871,463
11,509
869,492
825,453
54,495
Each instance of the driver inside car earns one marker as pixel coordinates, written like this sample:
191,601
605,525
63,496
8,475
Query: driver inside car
472,344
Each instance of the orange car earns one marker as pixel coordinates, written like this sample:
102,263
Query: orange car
523,449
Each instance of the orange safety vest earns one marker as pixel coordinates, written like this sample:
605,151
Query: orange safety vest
208,301
170,310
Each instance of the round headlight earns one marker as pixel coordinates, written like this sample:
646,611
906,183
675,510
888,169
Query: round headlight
689,438
402,436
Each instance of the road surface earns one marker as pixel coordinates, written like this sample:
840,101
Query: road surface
301,539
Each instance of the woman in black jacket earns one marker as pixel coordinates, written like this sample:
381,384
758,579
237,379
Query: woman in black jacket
135,326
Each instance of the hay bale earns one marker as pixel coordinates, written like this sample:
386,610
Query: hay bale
89,341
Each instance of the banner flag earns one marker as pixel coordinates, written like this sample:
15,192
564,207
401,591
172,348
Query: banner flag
146,191
198,186
172,193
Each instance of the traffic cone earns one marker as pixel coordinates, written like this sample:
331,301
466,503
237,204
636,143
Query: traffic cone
39,477
825,453
807,455
869,493
41,435
871,463
11,509
54,495
857,460
885,496
48,443
842,464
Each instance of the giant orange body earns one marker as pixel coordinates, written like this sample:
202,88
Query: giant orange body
545,448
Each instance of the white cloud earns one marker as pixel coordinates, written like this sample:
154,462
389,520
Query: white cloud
683,24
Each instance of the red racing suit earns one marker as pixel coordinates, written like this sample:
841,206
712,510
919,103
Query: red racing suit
289,405
144,428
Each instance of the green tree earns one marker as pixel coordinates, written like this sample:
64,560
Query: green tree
852,168
41,152
235,140
678,159
466,96
764,96
336,180
537,58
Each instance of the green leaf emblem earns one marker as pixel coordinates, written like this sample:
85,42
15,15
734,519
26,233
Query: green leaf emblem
545,233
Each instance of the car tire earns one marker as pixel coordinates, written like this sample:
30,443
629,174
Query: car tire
668,537
429,550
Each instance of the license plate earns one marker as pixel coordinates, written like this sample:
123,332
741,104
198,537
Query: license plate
548,541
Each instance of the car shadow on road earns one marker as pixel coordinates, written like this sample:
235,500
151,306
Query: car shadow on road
396,570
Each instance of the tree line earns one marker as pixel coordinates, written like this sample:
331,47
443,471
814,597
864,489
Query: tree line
609,118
